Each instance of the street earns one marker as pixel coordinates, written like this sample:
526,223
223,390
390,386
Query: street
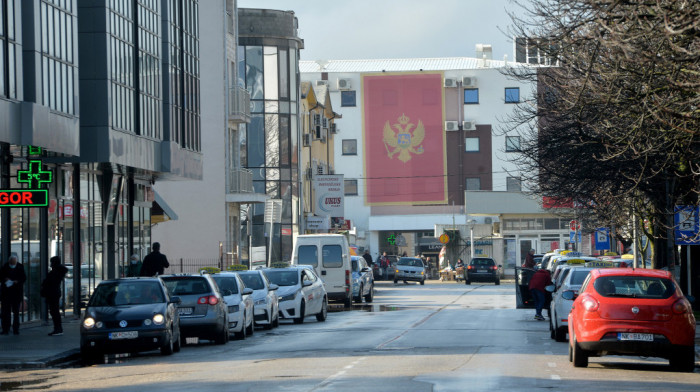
438,337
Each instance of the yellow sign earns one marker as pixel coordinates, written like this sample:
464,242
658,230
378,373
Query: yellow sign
600,264
609,253
627,256
444,238
404,143
575,261
237,267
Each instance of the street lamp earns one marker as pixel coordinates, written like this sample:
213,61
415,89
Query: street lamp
471,223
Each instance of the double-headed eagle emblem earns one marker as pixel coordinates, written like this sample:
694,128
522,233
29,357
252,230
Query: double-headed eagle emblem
404,142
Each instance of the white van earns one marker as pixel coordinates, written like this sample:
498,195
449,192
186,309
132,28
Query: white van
329,254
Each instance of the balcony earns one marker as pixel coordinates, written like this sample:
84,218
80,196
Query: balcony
240,187
238,105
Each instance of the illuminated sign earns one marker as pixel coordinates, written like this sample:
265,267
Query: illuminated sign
24,197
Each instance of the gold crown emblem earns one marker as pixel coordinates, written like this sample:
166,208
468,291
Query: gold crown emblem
403,120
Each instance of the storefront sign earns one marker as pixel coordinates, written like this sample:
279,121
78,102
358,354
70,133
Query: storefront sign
24,198
329,192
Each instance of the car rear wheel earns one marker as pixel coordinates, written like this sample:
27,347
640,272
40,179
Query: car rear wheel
358,299
321,316
168,347
571,353
370,296
302,310
251,329
580,356
467,281
497,281
684,361
222,336
422,282
177,345
276,321
560,334
241,335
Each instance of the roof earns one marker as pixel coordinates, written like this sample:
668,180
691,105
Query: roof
654,273
397,65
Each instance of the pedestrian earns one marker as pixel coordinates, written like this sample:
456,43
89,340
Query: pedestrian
539,280
134,266
384,264
12,278
368,258
154,263
51,291
529,259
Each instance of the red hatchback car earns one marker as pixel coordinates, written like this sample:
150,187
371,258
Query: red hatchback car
625,311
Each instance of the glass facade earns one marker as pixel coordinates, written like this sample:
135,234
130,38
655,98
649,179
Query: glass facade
58,57
268,144
9,49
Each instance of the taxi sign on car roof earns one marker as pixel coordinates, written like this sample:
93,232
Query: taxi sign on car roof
280,264
575,261
627,256
600,264
237,267
571,253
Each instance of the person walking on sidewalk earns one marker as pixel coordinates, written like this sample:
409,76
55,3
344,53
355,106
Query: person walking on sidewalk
541,279
12,278
155,262
51,290
134,266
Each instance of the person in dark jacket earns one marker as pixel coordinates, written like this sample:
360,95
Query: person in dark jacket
368,258
541,279
12,278
51,290
155,262
530,259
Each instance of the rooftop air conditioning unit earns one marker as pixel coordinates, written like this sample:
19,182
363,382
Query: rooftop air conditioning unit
344,84
468,81
488,220
469,125
307,139
451,125
450,82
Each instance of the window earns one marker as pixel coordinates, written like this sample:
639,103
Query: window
512,143
332,256
471,144
473,184
308,254
347,98
350,187
349,147
512,94
513,184
471,96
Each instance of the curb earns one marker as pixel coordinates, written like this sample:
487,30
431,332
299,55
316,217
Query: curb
66,356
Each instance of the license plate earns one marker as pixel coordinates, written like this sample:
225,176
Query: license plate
482,271
185,311
643,337
124,335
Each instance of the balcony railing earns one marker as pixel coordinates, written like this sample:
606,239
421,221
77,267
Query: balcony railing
240,181
238,105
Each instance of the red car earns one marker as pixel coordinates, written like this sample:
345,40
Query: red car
625,311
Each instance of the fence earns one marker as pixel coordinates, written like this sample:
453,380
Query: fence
190,266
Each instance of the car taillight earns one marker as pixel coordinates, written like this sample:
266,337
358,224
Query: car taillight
210,300
347,281
493,267
470,267
590,304
681,306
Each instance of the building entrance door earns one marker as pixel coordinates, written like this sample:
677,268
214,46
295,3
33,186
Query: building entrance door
525,245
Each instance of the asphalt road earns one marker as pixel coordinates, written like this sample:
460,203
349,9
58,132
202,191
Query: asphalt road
437,337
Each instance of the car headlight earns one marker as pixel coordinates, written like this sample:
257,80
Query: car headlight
88,323
158,319
289,297
262,301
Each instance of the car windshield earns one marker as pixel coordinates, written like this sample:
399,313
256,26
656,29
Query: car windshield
410,262
253,281
577,277
127,293
187,285
634,287
482,262
227,284
283,277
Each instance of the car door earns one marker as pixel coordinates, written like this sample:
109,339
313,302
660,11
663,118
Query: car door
314,296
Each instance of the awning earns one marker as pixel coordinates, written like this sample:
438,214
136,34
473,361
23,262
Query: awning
161,211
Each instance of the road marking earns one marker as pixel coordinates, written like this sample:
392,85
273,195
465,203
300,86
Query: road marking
555,377
330,379
552,364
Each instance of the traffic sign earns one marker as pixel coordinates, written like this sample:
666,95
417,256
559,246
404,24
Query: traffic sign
444,238
574,225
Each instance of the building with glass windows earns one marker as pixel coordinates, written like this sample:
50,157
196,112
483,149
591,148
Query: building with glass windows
104,96
268,61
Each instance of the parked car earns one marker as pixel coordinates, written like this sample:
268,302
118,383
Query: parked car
482,269
560,307
264,298
301,292
362,280
410,268
329,256
130,315
625,311
203,312
239,302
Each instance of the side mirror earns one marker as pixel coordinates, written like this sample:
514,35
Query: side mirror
551,288
365,269
306,283
175,300
247,291
568,295
273,287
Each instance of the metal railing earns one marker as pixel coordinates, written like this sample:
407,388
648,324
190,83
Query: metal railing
240,181
238,105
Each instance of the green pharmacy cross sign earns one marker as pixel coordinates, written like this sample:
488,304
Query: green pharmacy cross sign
36,178
391,239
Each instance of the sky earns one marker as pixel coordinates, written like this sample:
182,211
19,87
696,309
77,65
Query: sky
382,29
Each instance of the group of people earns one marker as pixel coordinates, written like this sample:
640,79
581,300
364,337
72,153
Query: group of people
13,277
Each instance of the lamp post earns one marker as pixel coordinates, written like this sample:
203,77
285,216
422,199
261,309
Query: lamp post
471,223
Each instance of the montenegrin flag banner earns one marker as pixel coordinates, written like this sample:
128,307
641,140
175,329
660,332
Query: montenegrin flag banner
404,141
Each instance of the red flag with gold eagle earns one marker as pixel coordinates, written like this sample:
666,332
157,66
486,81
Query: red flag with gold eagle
404,141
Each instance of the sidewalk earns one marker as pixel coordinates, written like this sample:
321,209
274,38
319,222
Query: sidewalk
33,348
